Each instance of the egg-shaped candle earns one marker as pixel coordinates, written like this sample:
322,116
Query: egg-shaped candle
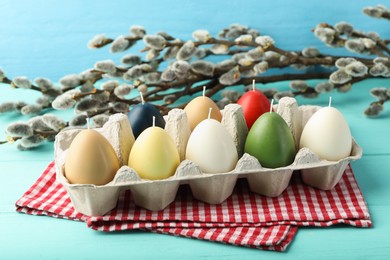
197,110
154,155
141,117
254,103
211,147
90,159
327,134
271,141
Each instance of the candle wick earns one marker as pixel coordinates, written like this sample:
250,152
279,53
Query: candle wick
204,91
142,98
272,104
210,109
154,121
87,119
253,85
330,101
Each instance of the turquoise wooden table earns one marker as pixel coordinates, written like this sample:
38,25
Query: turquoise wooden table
38,38
25,236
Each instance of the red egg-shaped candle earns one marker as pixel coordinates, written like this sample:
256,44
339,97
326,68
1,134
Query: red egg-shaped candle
254,103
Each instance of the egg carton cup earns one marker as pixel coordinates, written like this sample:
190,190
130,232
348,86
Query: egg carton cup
213,188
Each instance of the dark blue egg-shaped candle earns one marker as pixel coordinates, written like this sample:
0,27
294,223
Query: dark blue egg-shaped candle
141,117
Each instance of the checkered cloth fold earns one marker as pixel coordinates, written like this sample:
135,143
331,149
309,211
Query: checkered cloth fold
244,219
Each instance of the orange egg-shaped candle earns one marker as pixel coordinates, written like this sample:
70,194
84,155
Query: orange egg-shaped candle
198,109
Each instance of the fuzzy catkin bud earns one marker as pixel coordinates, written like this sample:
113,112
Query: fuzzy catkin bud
201,36
244,39
324,87
143,88
373,110
63,101
133,73
152,54
171,52
166,36
155,41
219,49
265,41
261,67
120,107
70,81
186,51
375,11
339,77
7,107
254,33
102,97
32,109
53,122
344,28
44,100
44,83
110,85
231,95
152,77
19,129
344,88
97,41
87,104
168,75
356,69
310,52
138,31
324,34
343,62
230,77
299,85
180,68
131,59
106,66
380,93
32,141
120,44
384,60
226,64
78,120
201,53
203,67
37,124
22,82
100,120
123,90
379,69
255,54
223,102
169,99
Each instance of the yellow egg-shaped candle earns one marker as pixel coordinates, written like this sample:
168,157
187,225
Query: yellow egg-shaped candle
154,155
90,159
198,109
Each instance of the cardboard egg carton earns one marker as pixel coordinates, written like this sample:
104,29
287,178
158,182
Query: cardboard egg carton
213,188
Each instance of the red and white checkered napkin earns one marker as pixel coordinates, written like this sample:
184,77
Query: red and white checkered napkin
244,219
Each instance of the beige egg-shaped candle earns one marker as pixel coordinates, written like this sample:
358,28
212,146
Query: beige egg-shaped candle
198,109
90,159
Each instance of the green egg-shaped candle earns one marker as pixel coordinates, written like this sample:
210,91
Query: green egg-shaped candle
271,141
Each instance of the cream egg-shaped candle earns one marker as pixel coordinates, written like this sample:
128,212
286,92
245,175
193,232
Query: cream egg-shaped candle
90,159
327,134
154,155
211,147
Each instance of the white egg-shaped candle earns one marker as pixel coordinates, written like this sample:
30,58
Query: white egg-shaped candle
211,147
327,134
